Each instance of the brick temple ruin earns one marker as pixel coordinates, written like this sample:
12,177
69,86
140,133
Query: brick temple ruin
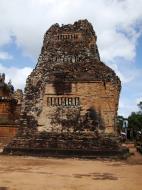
71,97
10,108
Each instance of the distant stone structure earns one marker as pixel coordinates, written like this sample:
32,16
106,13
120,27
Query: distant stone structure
9,110
71,97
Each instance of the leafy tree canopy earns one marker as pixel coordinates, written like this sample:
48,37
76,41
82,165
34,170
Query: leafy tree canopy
140,107
135,119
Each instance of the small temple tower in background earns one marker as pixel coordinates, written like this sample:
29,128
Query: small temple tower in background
9,110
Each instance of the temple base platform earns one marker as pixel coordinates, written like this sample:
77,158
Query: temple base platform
67,145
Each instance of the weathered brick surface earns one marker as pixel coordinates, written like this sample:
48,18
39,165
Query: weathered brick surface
92,95
69,66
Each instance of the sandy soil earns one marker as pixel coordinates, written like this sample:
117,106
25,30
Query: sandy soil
30,173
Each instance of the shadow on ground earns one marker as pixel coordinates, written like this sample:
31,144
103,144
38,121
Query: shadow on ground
3,188
98,176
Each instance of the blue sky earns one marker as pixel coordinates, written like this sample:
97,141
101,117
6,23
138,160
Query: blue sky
118,25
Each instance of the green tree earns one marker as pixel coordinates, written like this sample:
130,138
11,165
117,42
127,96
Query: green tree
135,120
140,107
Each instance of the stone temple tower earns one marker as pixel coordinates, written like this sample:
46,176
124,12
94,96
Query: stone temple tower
71,98
70,87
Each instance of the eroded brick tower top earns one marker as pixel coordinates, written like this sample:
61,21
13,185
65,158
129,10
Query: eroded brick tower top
72,49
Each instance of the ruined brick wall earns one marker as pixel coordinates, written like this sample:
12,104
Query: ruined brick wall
70,89
10,110
92,95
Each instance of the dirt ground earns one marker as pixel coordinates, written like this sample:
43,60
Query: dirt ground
32,173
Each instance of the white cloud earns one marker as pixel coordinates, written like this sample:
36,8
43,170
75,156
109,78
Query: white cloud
117,24
138,100
126,108
131,94
127,74
5,55
17,75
